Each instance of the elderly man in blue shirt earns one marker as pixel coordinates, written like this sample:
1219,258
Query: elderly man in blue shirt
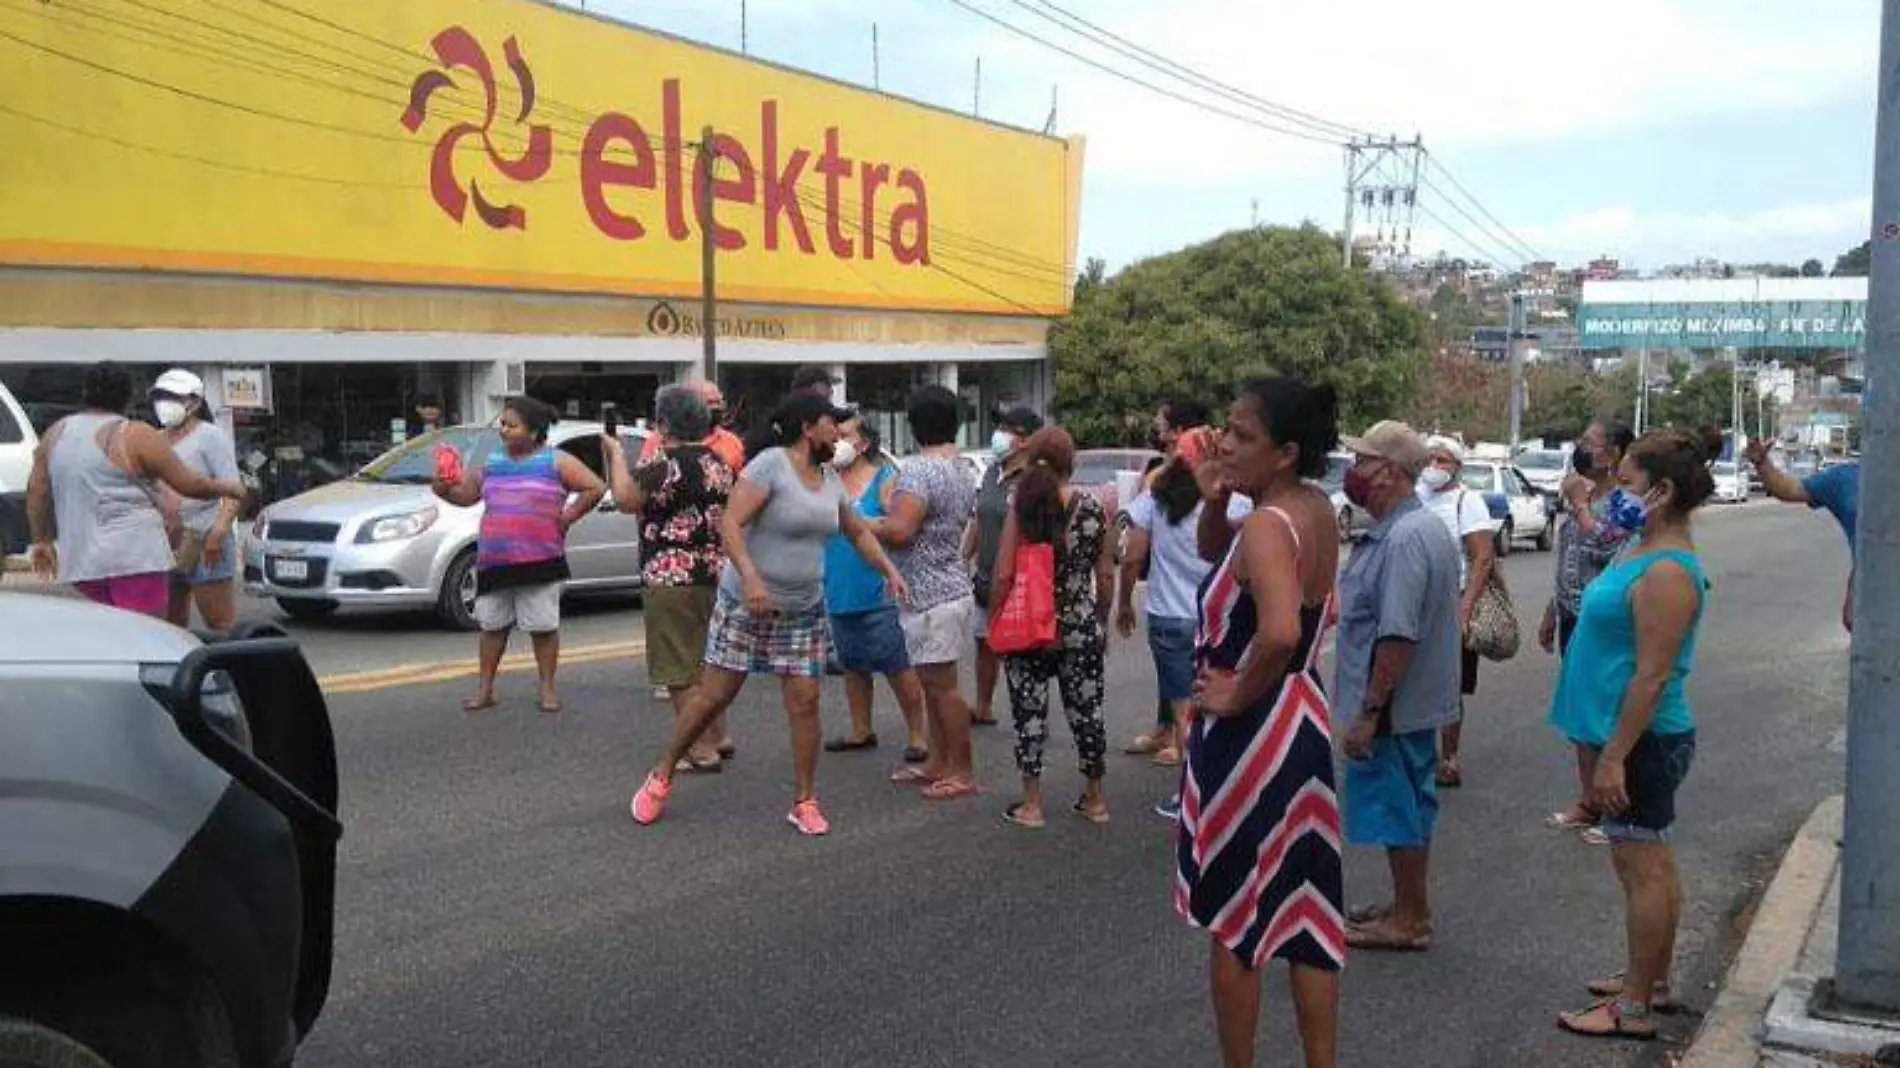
1836,489
1400,638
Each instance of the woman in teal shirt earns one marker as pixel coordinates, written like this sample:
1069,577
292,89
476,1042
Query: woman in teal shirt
1621,692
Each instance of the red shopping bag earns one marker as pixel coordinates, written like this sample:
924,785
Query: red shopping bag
1026,620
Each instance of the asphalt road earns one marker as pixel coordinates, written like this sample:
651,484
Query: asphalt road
498,907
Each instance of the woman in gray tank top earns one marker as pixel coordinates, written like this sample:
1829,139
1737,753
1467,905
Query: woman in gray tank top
94,503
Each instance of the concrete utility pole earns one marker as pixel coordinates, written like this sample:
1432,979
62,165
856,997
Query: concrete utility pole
708,288
1366,155
1642,389
1867,968
1514,342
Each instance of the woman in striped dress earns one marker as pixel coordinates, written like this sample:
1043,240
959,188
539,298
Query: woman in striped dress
1258,861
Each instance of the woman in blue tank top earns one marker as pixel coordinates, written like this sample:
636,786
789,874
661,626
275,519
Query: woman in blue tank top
1621,693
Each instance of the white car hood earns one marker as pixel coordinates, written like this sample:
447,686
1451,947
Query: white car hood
48,629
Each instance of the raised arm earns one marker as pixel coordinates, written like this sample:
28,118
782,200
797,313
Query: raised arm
466,492
629,494
1779,484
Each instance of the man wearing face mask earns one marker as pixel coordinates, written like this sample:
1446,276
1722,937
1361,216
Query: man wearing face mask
1469,520
1398,652
984,536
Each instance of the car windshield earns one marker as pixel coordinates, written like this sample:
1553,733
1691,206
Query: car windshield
413,462
1335,476
1096,471
1480,477
1538,460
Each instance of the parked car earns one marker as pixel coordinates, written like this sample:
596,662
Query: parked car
1096,471
1353,520
167,842
1545,468
382,539
1731,485
1520,510
18,439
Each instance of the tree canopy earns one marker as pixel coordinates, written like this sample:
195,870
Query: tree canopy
1856,262
1197,322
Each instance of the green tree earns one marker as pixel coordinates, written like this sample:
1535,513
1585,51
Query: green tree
1706,399
1856,262
1812,269
1195,323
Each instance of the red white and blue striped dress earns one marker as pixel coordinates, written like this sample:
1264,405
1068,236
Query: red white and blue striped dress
1258,857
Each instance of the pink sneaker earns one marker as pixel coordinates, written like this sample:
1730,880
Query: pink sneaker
649,802
806,817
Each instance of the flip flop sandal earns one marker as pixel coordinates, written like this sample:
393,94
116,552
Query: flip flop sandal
990,722
1450,775
549,708
910,775
950,790
1564,821
1619,1026
1143,745
700,767
1013,814
1611,986
1081,808
728,751
850,745
1365,914
915,754
474,705
1594,836
1374,940
1166,758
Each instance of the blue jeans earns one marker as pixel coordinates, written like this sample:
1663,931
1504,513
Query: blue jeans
1171,641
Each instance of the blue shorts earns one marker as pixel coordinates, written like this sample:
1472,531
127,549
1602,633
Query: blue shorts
870,643
1652,774
225,571
1172,643
1392,796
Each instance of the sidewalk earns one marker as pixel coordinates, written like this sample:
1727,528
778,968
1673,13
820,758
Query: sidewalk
1761,1017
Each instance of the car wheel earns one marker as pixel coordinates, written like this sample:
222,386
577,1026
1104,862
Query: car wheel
1504,538
24,1044
306,609
1546,536
455,603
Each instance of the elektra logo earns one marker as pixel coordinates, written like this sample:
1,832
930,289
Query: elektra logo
855,208
457,49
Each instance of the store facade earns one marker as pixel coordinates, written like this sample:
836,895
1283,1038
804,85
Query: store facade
526,220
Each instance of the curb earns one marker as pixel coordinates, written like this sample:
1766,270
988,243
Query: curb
1728,1036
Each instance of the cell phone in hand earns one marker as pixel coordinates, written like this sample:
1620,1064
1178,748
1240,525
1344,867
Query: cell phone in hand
610,422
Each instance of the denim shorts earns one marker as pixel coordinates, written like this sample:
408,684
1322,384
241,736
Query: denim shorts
870,643
1172,643
1392,796
1652,774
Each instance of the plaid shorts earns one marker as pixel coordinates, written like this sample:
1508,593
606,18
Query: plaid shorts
793,643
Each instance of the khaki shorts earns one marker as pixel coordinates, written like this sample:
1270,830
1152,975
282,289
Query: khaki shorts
535,609
678,618
938,635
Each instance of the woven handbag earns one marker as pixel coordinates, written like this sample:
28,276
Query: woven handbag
1494,633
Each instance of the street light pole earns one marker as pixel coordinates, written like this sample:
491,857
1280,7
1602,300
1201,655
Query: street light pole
1867,969
1515,350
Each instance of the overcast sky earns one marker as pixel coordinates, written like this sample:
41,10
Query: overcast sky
1652,130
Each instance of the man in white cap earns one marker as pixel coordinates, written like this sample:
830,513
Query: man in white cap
1398,678
1468,517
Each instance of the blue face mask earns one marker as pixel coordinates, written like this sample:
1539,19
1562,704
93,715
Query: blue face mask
1002,443
1627,510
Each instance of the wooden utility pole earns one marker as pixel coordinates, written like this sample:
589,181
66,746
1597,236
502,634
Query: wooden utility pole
708,288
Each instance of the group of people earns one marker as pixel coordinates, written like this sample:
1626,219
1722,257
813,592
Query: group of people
763,557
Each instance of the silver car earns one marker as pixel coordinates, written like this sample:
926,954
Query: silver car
382,539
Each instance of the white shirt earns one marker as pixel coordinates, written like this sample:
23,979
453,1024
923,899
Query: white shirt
1175,567
1463,512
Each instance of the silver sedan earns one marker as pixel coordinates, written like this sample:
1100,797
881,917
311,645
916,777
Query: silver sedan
381,539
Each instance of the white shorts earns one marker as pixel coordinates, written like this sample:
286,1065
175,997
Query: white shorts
535,609
938,635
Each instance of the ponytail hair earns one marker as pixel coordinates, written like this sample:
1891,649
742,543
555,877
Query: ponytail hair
1050,460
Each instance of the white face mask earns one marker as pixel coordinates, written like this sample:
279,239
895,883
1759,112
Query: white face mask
170,413
1002,443
1435,478
843,454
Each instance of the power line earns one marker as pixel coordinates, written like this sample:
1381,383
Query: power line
1515,249
1303,135
1456,184
1481,248
1156,61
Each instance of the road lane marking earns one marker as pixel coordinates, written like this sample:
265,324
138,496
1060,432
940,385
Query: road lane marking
449,671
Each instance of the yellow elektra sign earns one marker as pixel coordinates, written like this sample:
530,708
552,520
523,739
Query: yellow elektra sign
506,144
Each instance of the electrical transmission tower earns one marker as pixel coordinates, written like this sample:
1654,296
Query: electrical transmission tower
1382,180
